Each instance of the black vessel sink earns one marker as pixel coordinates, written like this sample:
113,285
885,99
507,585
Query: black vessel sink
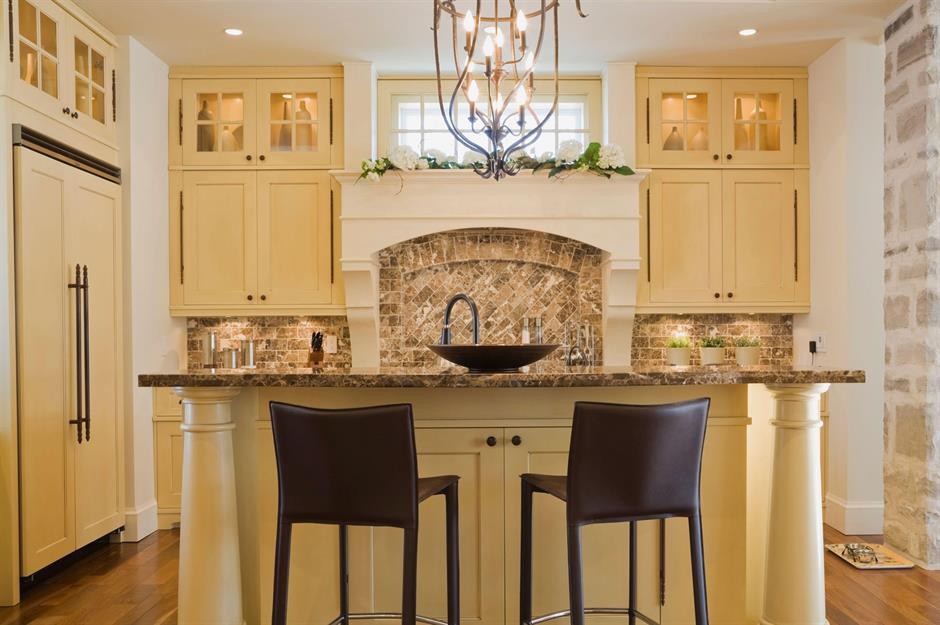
493,358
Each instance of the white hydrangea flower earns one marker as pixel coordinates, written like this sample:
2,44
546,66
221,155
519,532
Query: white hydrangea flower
373,176
404,158
437,155
569,151
546,156
473,158
368,165
422,164
611,157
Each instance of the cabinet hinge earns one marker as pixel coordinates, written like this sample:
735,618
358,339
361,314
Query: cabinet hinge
332,260
331,121
182,243
795,134
647,121
10,26
113,96
796,236
180,122
649,255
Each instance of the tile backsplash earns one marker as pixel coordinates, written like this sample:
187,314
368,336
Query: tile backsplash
651,332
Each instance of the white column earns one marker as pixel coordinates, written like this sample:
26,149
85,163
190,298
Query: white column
210,587
359,98
619,87
794,586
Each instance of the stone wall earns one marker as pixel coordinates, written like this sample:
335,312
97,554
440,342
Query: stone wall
912,304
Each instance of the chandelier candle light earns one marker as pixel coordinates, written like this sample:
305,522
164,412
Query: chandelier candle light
504,114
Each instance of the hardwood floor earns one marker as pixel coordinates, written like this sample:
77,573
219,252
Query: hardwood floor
120,584
135,584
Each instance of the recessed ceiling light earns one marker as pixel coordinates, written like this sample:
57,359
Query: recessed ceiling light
234,32
747,32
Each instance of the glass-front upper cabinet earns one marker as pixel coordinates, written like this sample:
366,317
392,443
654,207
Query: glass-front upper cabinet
62,68
218,122
294,124
684,121
759,122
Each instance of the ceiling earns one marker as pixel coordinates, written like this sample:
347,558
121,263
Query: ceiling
396,35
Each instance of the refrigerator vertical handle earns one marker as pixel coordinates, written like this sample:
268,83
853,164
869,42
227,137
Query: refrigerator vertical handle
87,354
77,285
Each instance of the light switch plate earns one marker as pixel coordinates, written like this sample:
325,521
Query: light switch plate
330,344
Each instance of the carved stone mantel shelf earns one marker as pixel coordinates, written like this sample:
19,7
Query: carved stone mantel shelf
601,212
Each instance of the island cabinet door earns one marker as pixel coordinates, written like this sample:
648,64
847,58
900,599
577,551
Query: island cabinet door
605,546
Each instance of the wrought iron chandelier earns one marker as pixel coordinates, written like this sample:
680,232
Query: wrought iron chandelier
502,109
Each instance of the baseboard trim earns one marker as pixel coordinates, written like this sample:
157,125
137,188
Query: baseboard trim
854,517
140,523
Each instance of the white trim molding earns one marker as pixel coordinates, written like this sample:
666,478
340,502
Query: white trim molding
601,212
855,517
140,522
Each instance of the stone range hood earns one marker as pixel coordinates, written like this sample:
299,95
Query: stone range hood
604,213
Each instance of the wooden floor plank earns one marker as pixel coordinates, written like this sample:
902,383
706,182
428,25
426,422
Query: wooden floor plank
135,584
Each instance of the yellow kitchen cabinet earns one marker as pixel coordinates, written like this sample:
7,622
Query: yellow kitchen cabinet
685,121
60,66
167,456
722,117
69,375
759,241
253,242
758,125
246,120
732,240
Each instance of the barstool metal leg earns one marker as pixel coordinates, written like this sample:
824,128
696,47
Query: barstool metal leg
633,580
575,586
453,555
698,569
525,559
281,573
409,590
344,574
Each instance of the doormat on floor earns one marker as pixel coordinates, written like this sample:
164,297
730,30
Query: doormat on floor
869,556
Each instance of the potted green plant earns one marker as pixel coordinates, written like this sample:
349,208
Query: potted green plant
712,350
315,357
747,351
678,351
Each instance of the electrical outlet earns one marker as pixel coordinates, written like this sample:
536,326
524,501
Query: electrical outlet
330,344
822,342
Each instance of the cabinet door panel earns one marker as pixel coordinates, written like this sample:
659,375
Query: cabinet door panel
168,443
219,122
219,238
294,237
294,121
685,121
46,377
94,241
684,236
605,546
89,88
759,243
757,126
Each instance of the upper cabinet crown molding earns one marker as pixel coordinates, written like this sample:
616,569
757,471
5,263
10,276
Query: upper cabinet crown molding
212,71
655,71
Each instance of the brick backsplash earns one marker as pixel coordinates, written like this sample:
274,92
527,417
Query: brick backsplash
651,332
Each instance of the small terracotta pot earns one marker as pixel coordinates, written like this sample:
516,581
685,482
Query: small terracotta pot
747,356
713,355
678,356
315,359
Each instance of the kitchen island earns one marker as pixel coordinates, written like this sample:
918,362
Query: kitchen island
488,429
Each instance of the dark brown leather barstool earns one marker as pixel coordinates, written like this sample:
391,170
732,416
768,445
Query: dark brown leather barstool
625,464
357,467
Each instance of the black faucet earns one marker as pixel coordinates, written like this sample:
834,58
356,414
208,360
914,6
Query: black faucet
474,315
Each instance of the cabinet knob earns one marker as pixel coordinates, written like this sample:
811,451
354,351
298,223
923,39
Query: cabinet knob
730,294
715,157
516,440
251,297
261,158
729,156
264,297
67,110
75,115
491,441
717,295
248,157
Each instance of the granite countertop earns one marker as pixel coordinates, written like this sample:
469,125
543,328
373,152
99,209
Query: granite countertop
546,376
